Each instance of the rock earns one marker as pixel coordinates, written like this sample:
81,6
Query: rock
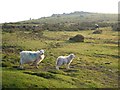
77,38
97,32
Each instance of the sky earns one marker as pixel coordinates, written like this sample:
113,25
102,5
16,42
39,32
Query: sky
19,10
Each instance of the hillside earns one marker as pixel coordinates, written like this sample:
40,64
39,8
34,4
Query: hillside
95,64
77,17
75,21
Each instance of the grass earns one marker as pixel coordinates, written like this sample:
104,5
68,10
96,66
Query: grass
34,80
95,65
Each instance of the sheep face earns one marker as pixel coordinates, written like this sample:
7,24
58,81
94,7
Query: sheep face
42,52
72,56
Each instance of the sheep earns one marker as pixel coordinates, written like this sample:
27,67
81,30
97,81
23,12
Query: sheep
96,26
31,57
61,60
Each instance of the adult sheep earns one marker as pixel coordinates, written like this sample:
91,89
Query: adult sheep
61,60
31,57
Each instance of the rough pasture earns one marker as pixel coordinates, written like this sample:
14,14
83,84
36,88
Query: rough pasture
95,65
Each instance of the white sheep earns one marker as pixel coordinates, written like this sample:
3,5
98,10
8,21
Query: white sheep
34,57
61,60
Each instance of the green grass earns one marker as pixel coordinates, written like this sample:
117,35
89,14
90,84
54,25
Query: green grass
95,65
21,79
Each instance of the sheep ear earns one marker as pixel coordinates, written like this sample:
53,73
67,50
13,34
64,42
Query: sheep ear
70,56
39,49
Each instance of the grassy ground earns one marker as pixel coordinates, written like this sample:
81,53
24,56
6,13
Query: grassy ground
95,65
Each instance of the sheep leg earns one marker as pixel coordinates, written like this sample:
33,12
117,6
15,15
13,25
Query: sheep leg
37,67
21,64
34,63
31,64
68,66
57,67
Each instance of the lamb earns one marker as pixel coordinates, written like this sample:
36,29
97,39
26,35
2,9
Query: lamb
61,60
34,57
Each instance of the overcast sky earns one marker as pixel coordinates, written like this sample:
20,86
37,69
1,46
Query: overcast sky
18,10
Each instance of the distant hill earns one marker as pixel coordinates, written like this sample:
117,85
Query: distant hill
78,20
76,17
